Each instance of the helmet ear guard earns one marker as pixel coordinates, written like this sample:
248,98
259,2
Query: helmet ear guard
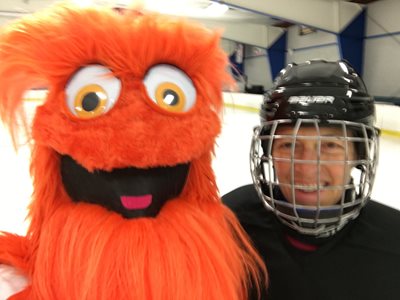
317,94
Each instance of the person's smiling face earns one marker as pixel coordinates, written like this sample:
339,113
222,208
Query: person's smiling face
302,178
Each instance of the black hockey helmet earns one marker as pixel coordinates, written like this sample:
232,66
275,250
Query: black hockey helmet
319,89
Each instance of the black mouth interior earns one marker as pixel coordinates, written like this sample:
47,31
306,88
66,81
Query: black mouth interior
107,188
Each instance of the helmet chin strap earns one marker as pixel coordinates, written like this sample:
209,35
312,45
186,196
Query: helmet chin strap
313,213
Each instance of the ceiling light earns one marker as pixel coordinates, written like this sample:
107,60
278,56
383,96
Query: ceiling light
216,9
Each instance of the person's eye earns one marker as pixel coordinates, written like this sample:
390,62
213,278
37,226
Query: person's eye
333,146
286,145
283,148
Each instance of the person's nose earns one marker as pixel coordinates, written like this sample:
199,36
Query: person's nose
306,159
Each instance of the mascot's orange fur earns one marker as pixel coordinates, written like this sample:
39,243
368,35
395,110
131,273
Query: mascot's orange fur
192,247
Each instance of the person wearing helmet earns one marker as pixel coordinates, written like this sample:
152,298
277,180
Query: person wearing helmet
313,161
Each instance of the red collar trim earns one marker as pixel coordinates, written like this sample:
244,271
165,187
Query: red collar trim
300,245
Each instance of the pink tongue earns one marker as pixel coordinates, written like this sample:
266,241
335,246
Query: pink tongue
136,202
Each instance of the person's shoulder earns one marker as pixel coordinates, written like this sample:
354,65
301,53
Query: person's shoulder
244,197
377,228
249,208
381,214
259,222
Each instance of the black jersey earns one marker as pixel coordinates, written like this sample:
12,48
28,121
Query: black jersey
360,262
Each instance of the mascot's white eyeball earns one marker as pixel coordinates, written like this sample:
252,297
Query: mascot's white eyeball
170,88
92,91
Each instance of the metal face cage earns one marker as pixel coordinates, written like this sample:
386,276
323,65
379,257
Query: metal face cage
314,175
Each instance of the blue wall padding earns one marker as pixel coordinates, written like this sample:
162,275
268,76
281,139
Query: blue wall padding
351,42
277,55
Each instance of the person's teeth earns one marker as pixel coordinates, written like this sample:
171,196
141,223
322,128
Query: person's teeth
309,188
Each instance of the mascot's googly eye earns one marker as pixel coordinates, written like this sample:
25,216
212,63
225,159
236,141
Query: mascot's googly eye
92,91
170,88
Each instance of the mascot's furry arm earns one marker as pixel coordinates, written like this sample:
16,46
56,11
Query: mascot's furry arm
125,204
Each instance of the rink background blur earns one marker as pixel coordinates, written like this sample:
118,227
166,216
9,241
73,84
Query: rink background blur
231,163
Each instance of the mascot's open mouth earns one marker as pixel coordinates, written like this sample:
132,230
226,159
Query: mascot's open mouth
131,192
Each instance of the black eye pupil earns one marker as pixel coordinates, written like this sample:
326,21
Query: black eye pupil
170,97
90,101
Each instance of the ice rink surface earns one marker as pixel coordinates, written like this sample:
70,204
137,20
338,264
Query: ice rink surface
231,166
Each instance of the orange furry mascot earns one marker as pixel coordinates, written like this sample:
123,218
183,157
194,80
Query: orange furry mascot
125,204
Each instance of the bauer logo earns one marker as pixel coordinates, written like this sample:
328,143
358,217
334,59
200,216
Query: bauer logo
311,99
